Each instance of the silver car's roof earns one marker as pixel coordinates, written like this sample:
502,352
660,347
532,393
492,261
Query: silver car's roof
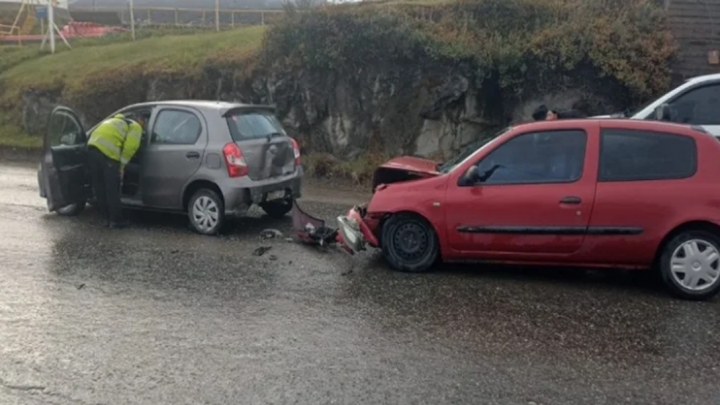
222,106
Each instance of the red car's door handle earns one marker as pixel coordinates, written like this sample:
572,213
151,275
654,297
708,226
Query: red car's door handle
571,200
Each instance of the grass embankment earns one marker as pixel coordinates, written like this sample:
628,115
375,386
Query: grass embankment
75,72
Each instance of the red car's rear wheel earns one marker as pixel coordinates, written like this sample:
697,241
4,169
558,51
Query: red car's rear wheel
690,265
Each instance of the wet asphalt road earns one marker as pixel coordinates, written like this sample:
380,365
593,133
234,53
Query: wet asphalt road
157,315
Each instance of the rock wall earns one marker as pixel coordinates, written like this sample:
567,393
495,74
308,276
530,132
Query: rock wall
397,110
428,111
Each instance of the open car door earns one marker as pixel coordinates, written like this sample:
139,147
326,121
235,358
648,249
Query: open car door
64,161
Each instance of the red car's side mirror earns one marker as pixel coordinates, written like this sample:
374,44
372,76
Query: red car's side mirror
470,177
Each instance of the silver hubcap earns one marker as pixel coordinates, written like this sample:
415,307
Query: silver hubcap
696,265
205,213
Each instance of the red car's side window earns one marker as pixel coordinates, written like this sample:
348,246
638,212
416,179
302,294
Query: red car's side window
535,158
633,155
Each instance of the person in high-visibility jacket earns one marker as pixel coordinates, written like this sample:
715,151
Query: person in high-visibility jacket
111,146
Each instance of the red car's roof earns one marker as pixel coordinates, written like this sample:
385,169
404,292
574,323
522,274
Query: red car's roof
610,123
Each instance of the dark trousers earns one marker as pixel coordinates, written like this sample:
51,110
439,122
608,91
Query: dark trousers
105,178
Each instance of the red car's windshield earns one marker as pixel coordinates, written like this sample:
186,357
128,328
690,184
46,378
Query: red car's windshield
469,150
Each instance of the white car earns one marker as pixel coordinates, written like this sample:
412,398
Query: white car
695,102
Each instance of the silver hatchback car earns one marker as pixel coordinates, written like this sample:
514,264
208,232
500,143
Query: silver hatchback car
211,160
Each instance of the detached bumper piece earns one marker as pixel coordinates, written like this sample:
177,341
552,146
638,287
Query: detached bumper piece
310,229
353,234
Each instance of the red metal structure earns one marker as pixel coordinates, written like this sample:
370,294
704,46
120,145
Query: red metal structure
72,29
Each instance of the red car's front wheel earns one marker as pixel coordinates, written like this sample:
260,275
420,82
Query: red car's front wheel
409,243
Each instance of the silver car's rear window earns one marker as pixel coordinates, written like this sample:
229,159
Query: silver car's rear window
253,124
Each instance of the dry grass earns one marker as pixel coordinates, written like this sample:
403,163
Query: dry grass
359,171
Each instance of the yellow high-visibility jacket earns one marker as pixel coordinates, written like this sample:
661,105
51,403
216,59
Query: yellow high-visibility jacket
117,138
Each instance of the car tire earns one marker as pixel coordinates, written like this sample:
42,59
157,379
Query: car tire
71,210
206,212
409,243
277,209
693,254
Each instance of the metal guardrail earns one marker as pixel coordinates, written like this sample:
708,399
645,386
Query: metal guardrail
206,16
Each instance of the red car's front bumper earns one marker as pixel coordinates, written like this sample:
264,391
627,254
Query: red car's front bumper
353,232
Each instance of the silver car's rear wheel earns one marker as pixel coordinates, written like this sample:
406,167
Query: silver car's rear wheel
206,212
690,265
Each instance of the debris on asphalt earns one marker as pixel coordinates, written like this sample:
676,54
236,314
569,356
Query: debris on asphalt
273,257
310,229
271,234
81,286
261,250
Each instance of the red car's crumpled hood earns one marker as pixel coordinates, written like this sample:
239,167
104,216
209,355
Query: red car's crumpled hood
404,168
413,164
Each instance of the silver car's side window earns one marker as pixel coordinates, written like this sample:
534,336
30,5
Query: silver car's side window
176,127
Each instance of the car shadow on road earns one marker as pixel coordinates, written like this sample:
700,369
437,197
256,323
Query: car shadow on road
250,225
517,277
581,279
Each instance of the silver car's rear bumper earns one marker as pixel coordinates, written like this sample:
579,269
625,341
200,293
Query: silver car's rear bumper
240,196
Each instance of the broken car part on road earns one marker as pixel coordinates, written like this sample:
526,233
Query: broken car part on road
353,234
310,229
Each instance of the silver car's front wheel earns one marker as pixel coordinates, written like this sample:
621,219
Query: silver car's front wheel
690,265
206,212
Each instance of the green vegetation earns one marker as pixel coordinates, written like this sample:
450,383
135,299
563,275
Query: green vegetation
513,50
518,46
184,54
12,136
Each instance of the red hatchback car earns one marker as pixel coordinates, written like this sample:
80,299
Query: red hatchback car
585,193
